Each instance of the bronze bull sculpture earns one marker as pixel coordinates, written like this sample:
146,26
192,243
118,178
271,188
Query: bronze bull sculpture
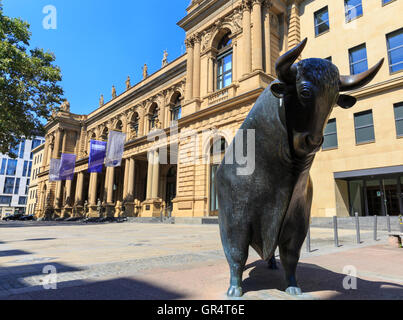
271,207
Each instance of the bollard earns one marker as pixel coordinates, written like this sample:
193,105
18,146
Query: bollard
308,240
388,223
336,233
357,228
375,228
401,223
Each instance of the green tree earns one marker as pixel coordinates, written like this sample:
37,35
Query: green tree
29,90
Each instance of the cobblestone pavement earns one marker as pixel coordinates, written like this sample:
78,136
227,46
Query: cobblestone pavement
155,261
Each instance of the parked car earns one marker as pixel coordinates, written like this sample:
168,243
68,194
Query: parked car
14,217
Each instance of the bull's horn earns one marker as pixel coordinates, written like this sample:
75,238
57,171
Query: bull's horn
348,83
284,63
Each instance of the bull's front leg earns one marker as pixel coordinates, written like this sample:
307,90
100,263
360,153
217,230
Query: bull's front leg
293,234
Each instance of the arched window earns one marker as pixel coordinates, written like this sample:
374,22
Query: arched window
224,62
104,135
176,110
153,117
217,153
119,126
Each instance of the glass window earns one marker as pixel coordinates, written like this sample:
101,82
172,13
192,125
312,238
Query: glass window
224,63
36,143
364,127
353,9
395,50
356,197
14,150
22,149
25,169
11,167
358,59
3,166
27,186
9,186
321,21
330,135
176,112
5,200
29,169
224,70
17,186
399,119
22,200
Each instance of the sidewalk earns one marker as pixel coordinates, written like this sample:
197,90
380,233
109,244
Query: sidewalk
147,261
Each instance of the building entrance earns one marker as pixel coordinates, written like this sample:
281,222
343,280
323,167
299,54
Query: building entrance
381,196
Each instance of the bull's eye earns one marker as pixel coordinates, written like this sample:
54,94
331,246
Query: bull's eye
305,93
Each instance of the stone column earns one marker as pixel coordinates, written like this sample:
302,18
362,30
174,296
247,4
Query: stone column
156,175
196,72
189,72
247,62
56,147
68,191
131,177
79,189
93,189
58,194
210,78
294,37
234,61
64,141
110,182
126,178
150,174
45,152
267,38
257,58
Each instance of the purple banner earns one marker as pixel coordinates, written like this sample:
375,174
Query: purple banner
54,170
97,156
67,166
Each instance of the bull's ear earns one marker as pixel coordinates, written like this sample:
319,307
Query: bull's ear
346,102
278,89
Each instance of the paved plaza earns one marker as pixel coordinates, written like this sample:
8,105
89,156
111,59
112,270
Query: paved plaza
161,261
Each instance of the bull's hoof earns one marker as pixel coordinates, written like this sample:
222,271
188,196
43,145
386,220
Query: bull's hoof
294,291
235,292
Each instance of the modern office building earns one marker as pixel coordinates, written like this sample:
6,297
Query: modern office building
232,46
15,177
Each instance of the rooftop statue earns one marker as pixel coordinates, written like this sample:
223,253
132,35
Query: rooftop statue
145,71
113,92
165,59
271,207
128,85
101,100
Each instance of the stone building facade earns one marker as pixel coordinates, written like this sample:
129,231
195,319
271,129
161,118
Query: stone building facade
180,119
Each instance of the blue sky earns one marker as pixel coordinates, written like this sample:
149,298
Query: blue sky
98,43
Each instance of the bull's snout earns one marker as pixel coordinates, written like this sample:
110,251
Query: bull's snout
305,143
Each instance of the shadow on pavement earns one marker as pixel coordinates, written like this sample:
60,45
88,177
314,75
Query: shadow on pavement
116,289
9,253
314,279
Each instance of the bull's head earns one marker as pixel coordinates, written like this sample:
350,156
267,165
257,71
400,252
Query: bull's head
310,89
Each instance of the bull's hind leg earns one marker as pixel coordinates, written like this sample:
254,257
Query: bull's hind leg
235,240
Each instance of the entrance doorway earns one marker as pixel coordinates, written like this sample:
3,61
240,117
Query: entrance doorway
170,190
379,196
